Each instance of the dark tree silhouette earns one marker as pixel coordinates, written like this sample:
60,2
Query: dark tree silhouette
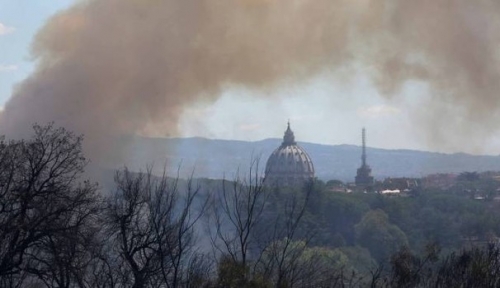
283,262
151,225
45,212
236,211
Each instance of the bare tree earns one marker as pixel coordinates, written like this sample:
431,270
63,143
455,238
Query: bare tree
101,270
43,208
255,228
236,211
281,259
152,227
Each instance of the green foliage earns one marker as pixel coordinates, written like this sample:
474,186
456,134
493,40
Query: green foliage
381,224
360,259
233,274
340,213
295,264
379,236
338,240
476,267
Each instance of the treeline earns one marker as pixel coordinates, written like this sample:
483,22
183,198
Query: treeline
153,231
381,224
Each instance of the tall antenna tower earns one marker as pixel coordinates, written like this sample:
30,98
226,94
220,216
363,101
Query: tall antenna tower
363,155
363,176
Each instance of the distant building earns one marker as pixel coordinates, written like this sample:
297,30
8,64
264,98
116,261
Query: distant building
289,164
363,176
440,181
398,186
390,192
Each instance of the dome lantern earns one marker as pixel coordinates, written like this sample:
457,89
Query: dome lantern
288,138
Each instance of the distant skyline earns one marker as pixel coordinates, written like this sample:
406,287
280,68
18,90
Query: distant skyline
332,112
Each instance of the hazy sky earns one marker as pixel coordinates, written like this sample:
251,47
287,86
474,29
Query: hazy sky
325,108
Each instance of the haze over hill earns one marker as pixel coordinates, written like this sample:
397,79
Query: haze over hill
214,158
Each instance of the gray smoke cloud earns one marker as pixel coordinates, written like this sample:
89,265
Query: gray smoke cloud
107,68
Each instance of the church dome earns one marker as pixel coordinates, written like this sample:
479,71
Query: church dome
289,164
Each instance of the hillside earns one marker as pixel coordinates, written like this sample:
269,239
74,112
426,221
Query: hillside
213,158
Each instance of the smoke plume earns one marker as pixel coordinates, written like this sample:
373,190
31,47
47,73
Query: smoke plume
107,68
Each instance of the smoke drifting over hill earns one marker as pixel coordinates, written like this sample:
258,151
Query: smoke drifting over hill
112,67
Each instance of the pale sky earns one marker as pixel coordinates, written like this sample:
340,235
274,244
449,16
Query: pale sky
19,21
240,113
